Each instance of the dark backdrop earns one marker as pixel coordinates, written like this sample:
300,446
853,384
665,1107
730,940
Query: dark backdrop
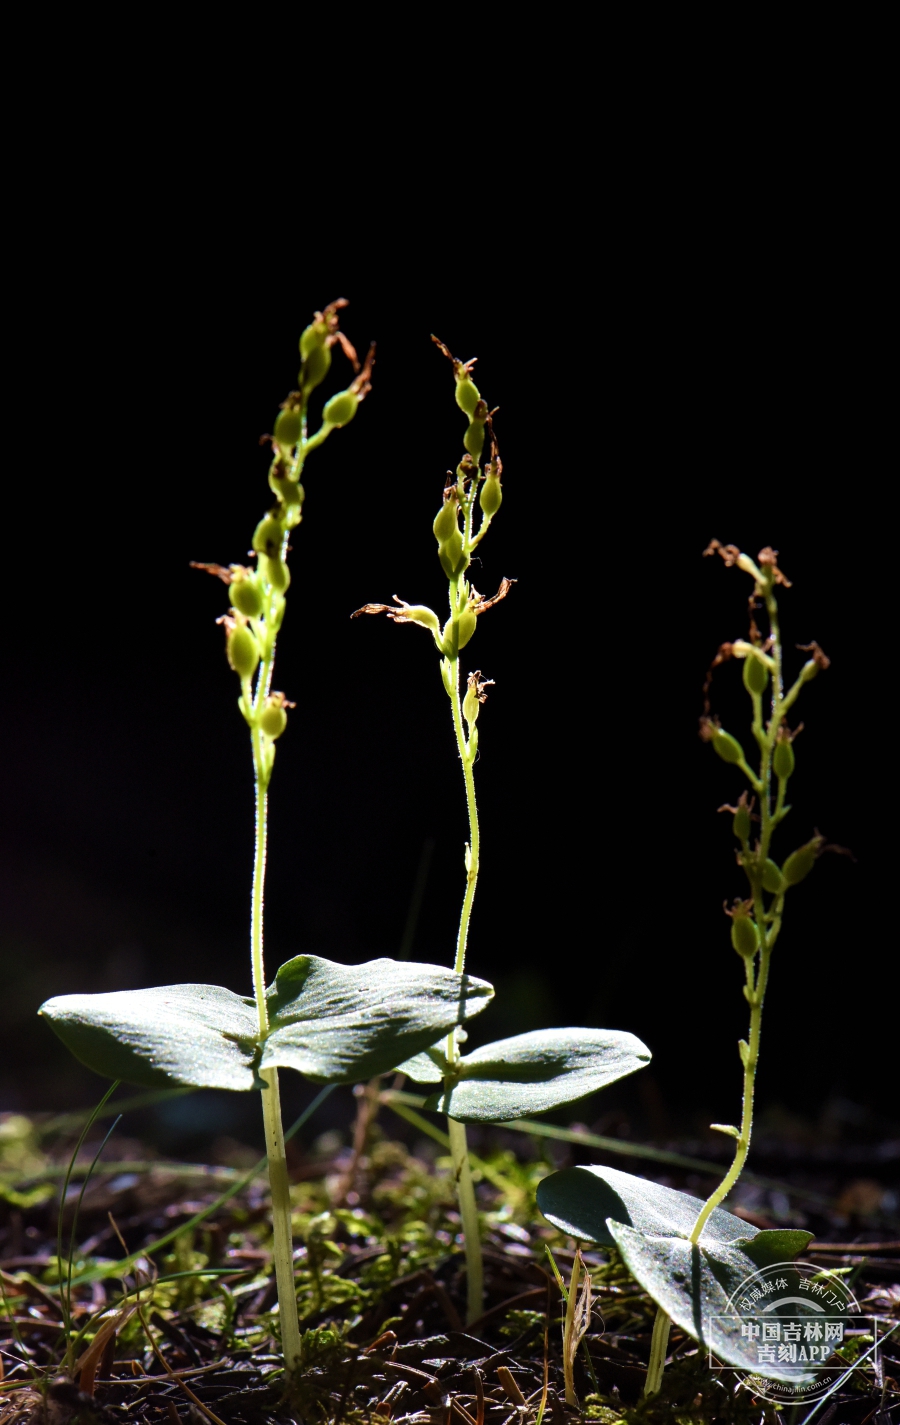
648,401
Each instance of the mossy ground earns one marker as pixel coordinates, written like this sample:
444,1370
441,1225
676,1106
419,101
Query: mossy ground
381,1293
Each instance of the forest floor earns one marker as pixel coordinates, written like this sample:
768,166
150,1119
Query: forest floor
173,1314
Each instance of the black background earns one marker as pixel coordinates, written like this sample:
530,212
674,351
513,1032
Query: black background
654,392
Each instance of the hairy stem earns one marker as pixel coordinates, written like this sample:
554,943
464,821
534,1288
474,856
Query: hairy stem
468,1211
259,881
458,1143
271,1096
281,1218
473,849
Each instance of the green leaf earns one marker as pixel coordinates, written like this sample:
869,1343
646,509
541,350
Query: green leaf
651,1225
532,1073
427,1068
343,1023
694,1283
333,1023
199,1035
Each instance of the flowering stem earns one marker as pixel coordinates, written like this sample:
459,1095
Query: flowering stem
768,924
271,1097
473,847
458,1143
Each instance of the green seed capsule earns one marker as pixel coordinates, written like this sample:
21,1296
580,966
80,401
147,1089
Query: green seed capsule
246,597
450,553
446,520
315,367
741,824
311,337
744,936
290,492
467,622
287,428
467,394
274,572
772,879
471,707
474,440
243,651
341,408
490,497
728,747
756,674
267,537
273,718
783,761
799,864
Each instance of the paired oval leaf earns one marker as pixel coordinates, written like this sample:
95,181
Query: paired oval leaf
201,1035
651,1225
529,1073
342,1023
333,1023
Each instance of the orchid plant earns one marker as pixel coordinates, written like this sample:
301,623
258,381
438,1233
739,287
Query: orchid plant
333,1023
693,1256
546,1068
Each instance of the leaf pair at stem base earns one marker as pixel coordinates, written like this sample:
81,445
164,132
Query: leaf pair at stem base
332,1023
695,1283
527,1074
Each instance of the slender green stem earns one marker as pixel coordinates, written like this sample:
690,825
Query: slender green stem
468,1211
281,1218
473,848
751,1059
271,1098
457,1132
258,894
659,1346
